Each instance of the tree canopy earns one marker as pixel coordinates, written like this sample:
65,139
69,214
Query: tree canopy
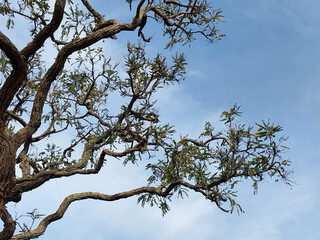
70,93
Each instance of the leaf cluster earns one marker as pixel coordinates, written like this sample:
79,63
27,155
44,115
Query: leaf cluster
216,162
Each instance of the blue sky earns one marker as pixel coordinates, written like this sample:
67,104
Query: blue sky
269,64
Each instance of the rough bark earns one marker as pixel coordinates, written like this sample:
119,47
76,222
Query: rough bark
7,181
9,224
7,171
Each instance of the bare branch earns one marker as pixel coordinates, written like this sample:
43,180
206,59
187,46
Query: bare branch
10,50
83,196
17,76
16,117
47,31
97,15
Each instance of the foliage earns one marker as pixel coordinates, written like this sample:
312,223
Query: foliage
217,161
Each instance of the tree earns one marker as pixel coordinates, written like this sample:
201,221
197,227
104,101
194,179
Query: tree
71,96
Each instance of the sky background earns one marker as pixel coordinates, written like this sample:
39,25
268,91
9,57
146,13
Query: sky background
269,63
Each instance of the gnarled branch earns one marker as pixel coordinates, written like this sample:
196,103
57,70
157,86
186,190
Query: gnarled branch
82,196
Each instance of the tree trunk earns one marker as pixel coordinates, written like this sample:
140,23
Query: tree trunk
9,225
7,180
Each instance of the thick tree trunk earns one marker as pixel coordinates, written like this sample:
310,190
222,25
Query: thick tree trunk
9,224
7,180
